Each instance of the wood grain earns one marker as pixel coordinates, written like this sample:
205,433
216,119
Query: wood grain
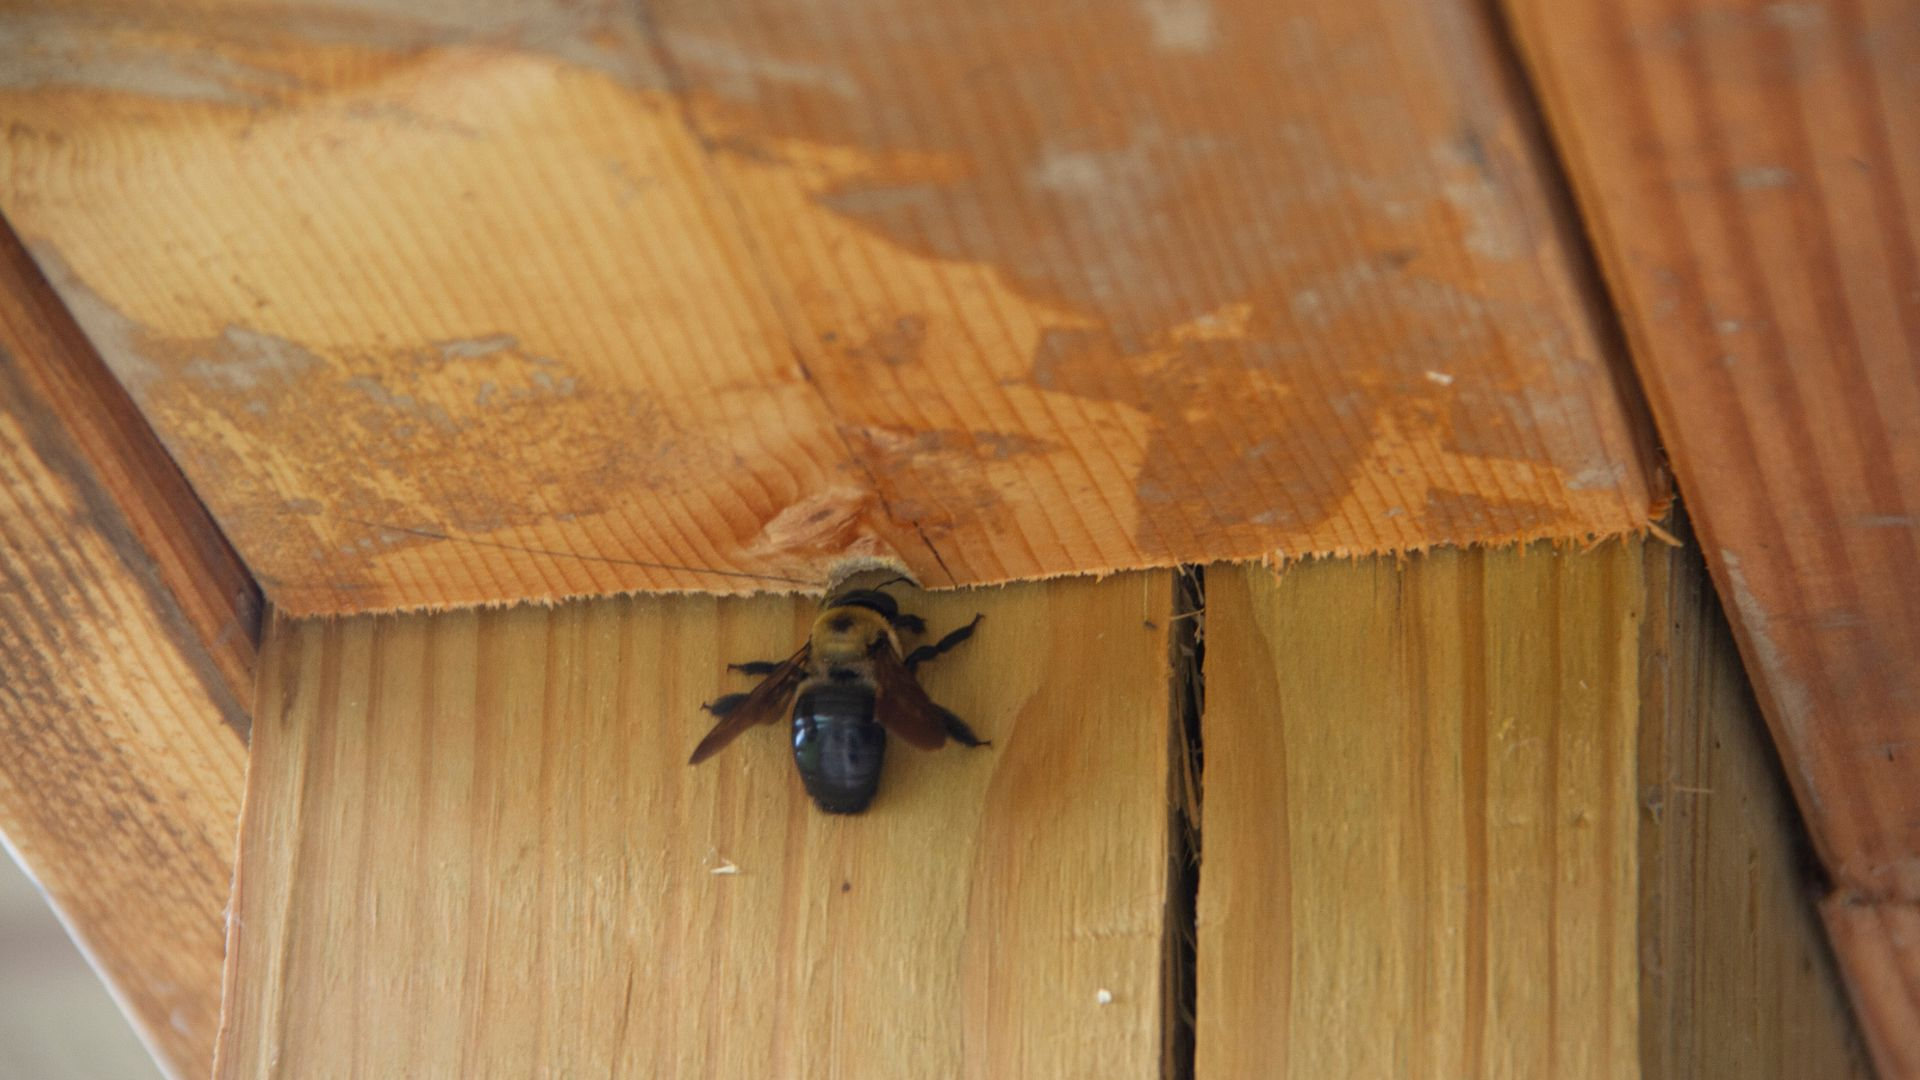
110,441
725,294
1419,818
1736,979
121,642
1426,853
473,847
1749,170
1878,944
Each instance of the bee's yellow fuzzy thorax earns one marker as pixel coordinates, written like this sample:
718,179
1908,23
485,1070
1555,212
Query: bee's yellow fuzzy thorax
846,634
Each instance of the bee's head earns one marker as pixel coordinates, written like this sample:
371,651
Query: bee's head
871,599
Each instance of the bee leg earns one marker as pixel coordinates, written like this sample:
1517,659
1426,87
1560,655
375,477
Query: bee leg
958,730
927,652
755,667
911,624
723,705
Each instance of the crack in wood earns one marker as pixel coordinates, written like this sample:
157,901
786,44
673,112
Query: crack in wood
1186,697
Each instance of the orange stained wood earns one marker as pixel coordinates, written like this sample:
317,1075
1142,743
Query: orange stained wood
126,665
453,305
1752,172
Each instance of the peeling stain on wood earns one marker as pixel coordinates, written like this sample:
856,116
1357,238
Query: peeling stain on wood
1021,291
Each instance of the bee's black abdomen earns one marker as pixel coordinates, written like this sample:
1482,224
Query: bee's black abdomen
838,747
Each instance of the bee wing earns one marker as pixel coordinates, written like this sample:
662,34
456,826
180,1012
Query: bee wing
766,703
899,703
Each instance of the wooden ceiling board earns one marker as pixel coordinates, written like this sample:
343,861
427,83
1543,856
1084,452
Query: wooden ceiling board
448,304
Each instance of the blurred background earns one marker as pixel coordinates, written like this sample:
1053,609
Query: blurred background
56,1020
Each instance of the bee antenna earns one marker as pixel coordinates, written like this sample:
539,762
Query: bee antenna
895,580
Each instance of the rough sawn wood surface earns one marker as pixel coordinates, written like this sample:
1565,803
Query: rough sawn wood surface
446,305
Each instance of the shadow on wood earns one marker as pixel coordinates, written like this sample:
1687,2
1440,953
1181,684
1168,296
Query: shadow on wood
126,659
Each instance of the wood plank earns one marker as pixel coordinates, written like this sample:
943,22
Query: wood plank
473,847
122,639
1425,849
1736,979
725,294
1419,818
1750,170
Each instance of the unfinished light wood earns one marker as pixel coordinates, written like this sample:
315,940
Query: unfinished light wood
122,741
1419,819
1429,851
473,847
724,293
1751,171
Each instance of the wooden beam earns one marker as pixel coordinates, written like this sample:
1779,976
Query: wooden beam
473,847
1748,169
1496,813
724,294
89,425
126,657
1876,944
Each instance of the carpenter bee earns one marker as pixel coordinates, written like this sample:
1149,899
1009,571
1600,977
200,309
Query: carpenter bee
850,684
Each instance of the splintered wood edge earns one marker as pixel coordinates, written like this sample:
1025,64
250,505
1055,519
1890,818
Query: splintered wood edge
773,231
1656,527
